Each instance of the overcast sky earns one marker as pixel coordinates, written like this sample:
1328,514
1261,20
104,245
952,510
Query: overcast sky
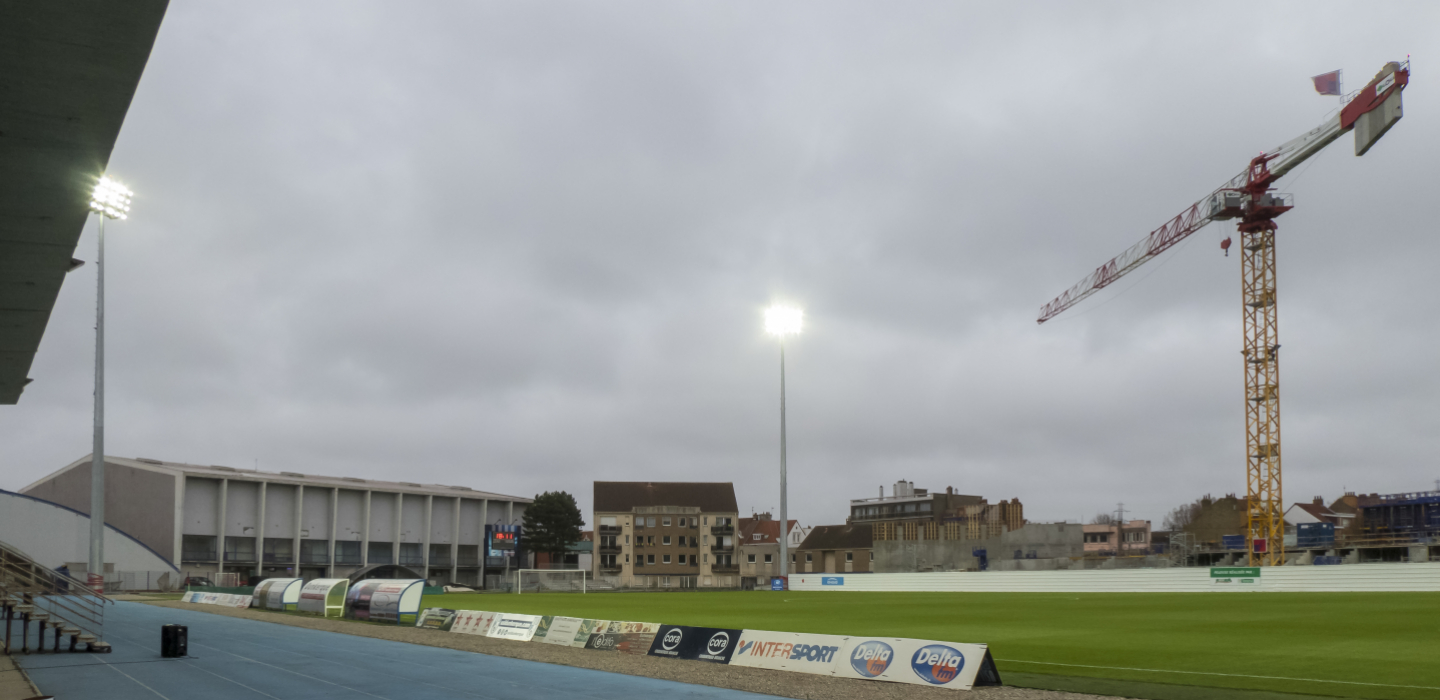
525,246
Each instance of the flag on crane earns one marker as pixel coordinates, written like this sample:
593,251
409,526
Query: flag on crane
1327,83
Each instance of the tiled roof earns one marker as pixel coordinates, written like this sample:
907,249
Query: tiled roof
838,537
768,530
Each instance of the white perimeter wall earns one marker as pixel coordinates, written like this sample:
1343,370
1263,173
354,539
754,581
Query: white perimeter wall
53,535
1345,577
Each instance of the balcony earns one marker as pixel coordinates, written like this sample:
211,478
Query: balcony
314,559
342,560
725,568
609,548
240,557
608,530
468,562
279,558
722,529
198,555
412,560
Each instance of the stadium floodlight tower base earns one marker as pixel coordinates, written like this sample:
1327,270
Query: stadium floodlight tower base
550,580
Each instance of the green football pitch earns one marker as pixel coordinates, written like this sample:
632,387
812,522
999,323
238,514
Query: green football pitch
1150,645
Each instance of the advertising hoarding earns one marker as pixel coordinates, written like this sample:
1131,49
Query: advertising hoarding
562,631
916,661
788,651
473,622
697,643
436,619
518,627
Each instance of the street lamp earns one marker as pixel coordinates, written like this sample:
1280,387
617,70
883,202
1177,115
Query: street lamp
111,200
781,321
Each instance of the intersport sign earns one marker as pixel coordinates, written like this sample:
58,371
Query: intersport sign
788,651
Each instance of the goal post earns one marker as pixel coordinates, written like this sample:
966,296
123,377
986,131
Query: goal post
550,580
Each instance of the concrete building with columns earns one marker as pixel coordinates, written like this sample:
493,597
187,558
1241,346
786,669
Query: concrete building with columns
212,519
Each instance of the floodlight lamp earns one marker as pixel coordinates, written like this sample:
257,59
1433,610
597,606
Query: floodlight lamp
111,199
783,320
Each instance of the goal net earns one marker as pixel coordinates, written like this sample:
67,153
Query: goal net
550,581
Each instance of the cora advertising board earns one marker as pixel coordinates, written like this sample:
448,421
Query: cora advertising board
916,661
787,651
696,643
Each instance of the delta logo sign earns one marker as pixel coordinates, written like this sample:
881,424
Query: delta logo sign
937,664
871,658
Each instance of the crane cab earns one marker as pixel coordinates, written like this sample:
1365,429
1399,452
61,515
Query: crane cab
1225,205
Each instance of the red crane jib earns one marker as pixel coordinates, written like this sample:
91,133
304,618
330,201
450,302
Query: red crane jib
1372,95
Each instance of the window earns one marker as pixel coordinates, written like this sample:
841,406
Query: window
682,522
757,537
705,539
627,558
872,556
665,559
665,522
705,520
792,558
380,553
751,558
809,558
650,559
650,540
682,540
411,554
850,556
682,560
347,553
607,520
278,551
707,558
239,549
767,558
467,555
314,552
649,522
197,547
439,554
665,540
627,539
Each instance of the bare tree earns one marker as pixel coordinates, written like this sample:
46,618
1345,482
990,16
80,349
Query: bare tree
1182,516
1103,519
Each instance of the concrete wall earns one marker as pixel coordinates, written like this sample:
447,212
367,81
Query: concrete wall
53,535
137,501
1046,540
1360,577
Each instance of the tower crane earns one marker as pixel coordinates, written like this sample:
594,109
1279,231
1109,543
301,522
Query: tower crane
1250,199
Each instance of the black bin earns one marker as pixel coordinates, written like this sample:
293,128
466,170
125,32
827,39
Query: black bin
174,640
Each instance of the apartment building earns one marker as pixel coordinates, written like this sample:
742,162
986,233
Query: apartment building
666,534
212,519
917,514
759,537
1133,537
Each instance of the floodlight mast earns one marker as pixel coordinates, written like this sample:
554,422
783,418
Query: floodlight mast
1248,197
781,321
111,200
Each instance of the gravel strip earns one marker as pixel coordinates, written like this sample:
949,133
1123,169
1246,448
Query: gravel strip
754,680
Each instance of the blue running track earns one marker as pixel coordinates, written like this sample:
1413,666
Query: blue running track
237,659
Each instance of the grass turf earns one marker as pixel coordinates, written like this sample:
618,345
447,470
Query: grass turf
1366,645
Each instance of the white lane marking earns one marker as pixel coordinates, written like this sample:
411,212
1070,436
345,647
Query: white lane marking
142,685
529,685
1227,675
302,675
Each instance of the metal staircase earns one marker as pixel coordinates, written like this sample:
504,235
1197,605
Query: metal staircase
32,593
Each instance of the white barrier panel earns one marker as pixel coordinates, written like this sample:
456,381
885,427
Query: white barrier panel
914,661
517,627
324,596
476,622
562,631
229,600
788,651
1340,578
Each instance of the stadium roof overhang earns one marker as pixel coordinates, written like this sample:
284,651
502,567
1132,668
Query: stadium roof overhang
68,70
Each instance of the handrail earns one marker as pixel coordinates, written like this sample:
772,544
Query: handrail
65,598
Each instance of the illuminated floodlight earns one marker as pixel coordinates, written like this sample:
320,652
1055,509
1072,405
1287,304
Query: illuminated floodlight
783,320
111,199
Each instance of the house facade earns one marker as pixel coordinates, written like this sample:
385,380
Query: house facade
666,534
833,549
759,542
